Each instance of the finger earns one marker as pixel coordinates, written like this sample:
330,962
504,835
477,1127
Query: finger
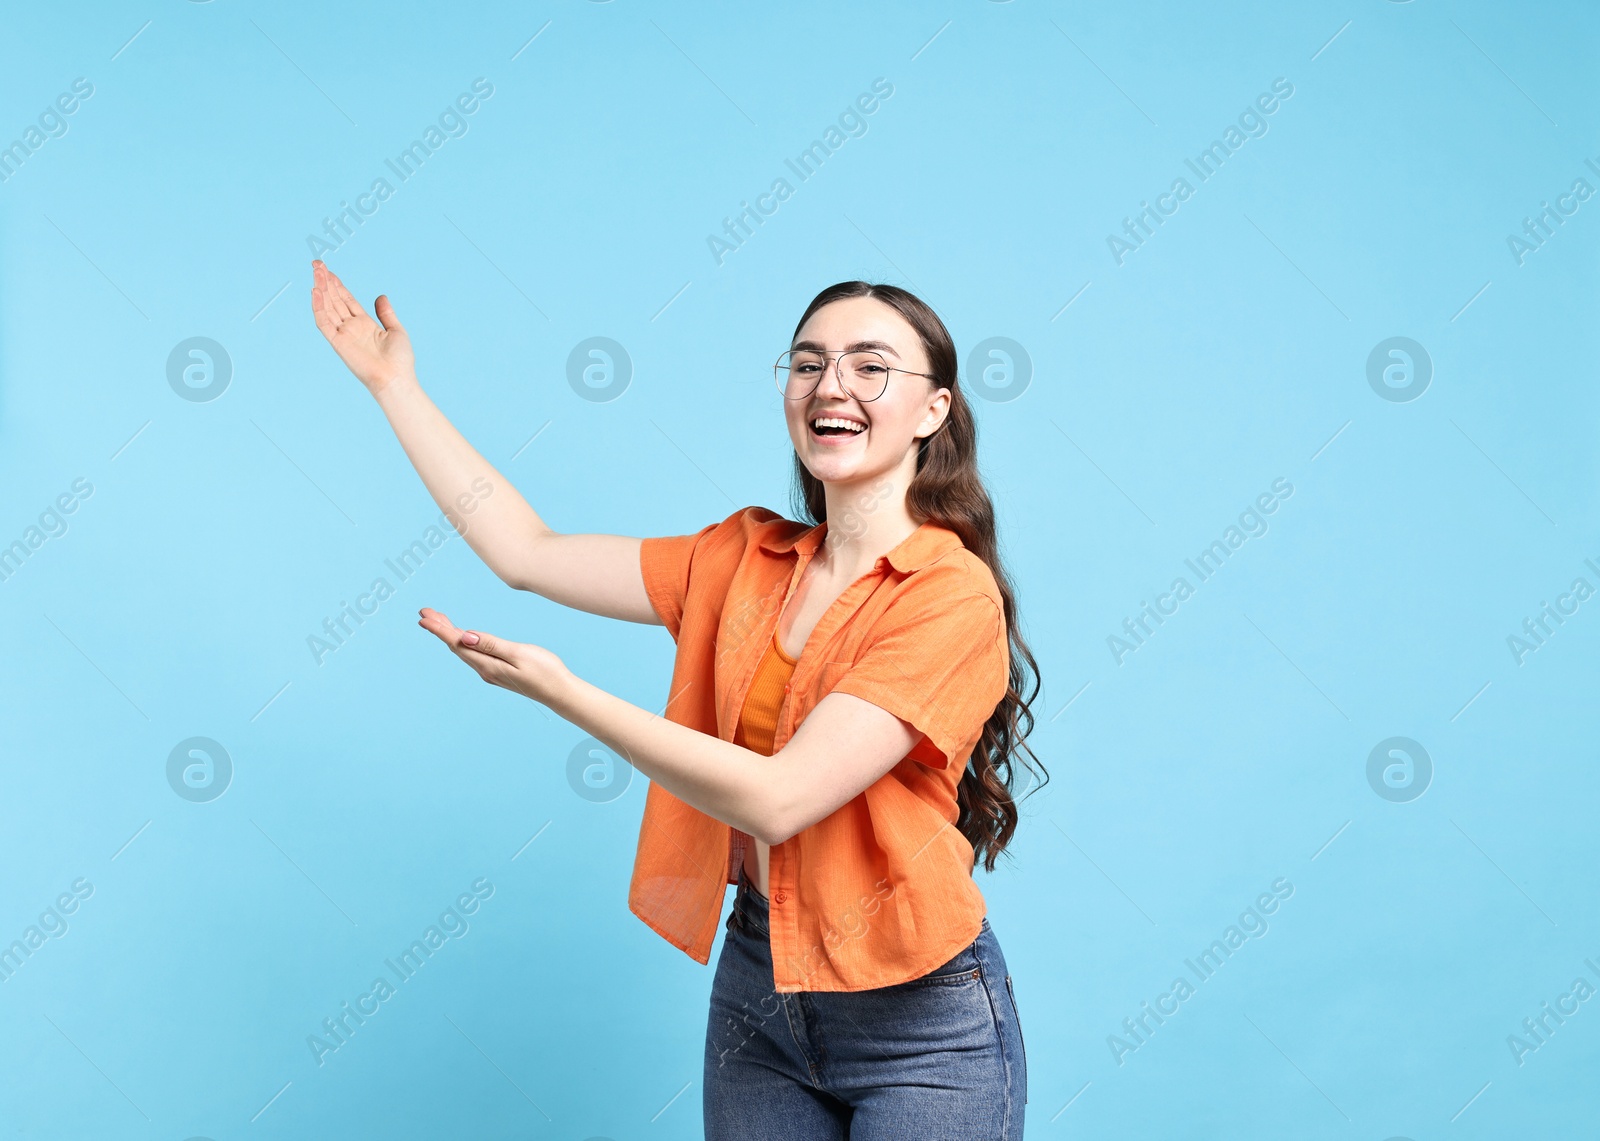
492,670
440,632
386,313
322,308
485,644
333,307
334,294
436,623
338,303
320,312
484,664
346,298
465,641
318,285
485,668
429,614
440,626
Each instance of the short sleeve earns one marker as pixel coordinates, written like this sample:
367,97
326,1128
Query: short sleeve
938,663
667,562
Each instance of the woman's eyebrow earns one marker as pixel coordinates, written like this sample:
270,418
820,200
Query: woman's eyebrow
817,347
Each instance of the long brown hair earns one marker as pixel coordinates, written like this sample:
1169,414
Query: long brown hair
947,489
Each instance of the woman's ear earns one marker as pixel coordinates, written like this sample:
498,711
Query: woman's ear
939,413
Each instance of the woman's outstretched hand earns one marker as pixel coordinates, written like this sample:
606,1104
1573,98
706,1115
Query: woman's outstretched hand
532,671
377,354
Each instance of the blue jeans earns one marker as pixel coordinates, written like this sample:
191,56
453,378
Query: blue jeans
939,1058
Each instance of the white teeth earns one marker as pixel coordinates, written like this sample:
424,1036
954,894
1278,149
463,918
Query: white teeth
836,422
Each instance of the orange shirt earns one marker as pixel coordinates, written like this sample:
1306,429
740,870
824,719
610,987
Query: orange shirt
880,891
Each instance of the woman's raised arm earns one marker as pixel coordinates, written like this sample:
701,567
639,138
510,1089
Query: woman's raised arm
599,574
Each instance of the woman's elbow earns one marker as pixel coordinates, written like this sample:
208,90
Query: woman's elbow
773,832
779,820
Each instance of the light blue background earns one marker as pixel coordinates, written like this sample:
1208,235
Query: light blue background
1229,750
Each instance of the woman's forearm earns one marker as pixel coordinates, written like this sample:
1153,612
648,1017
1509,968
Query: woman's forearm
498,523
721,779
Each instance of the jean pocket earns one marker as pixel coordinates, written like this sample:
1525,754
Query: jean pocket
965,968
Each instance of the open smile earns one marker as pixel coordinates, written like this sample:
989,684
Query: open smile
836,429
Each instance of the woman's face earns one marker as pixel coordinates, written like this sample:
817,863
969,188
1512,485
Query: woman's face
910,408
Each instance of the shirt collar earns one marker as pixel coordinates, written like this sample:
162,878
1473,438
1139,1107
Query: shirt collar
928,542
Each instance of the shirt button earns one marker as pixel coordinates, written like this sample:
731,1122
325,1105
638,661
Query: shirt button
780,897
785,689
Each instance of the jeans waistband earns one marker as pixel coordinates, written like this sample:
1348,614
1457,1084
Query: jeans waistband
749,907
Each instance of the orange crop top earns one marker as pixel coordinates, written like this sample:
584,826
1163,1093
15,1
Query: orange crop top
759,720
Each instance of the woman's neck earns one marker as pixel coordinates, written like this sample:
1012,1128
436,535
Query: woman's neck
865,522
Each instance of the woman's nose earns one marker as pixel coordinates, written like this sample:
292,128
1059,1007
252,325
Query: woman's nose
832,380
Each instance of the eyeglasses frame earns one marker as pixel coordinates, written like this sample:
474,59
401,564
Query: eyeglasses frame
838,371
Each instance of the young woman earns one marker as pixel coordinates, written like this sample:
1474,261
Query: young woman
840,741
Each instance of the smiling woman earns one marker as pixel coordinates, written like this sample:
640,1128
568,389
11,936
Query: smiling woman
849,705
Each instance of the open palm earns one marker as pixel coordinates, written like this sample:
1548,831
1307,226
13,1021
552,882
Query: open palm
377,354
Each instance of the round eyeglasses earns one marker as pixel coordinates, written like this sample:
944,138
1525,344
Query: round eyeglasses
863,373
